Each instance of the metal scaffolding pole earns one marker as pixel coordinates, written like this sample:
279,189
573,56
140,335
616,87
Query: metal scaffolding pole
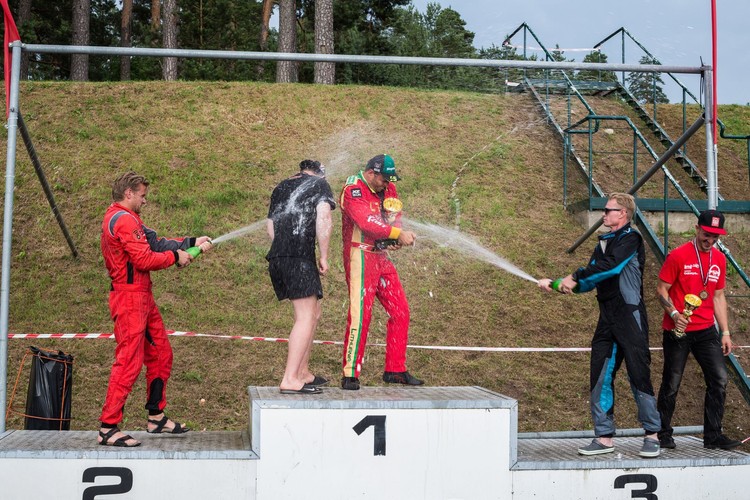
651,171
344,58
10,179
712,189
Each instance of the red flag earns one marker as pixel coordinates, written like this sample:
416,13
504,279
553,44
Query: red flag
11,35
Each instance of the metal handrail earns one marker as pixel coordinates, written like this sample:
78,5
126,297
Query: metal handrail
660,163
549,56
736,137
736,373
650,55
694,172
685,90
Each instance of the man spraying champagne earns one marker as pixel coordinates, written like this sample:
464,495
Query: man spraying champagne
616,271
131,250
371,227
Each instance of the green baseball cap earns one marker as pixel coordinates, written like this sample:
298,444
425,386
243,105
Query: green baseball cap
384,165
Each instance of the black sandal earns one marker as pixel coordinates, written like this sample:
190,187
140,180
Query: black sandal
162,429
121,442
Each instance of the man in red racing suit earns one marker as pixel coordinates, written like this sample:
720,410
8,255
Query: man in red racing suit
371,216
131,250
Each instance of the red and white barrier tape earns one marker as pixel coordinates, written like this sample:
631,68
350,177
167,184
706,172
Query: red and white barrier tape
323,342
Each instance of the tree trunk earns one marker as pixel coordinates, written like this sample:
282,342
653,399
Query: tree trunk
169,70
324,72
79,63
125,37
265,19
286,71
155,15
24,16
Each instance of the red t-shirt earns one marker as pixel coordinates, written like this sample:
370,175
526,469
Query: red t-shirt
682,271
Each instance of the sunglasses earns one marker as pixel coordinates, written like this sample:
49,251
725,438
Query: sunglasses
608,210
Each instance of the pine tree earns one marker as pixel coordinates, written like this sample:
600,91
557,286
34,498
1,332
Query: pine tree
647,87
126,37
596,56
324,72
558,56
286,71
79,63
169,37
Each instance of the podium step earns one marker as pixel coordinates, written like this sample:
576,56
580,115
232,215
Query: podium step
82,445
428,443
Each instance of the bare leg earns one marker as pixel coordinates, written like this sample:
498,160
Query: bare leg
304,369
300,341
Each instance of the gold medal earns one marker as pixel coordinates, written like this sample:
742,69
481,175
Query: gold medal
703,295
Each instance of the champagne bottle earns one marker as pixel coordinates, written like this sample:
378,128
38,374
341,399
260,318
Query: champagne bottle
556,286
194,251
384,243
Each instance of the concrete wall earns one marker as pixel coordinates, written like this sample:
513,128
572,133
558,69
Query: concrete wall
679,222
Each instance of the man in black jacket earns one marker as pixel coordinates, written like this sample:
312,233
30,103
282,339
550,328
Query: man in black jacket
616,271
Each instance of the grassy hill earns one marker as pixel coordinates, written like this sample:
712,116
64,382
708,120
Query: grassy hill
214,151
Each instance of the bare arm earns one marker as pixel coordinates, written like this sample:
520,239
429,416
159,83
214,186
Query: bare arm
269,228
722,318
662,293
323,229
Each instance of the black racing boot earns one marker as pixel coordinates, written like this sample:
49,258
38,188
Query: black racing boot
667,442
404,378
350,383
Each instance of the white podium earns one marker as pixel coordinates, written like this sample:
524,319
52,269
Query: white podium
400,442
392,443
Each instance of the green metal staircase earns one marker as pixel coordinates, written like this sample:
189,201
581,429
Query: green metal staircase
681,157
595,191
596,195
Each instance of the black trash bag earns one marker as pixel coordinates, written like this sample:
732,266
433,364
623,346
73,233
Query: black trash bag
50,391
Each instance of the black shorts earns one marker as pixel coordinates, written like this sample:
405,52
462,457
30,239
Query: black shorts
295,278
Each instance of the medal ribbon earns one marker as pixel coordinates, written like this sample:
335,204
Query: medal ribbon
704,276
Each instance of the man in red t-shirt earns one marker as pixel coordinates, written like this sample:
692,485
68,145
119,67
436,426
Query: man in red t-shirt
699,269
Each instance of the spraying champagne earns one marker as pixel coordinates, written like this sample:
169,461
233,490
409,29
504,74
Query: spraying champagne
555,285
548,285
197,250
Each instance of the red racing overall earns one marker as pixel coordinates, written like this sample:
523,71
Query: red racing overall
370,273
130,251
